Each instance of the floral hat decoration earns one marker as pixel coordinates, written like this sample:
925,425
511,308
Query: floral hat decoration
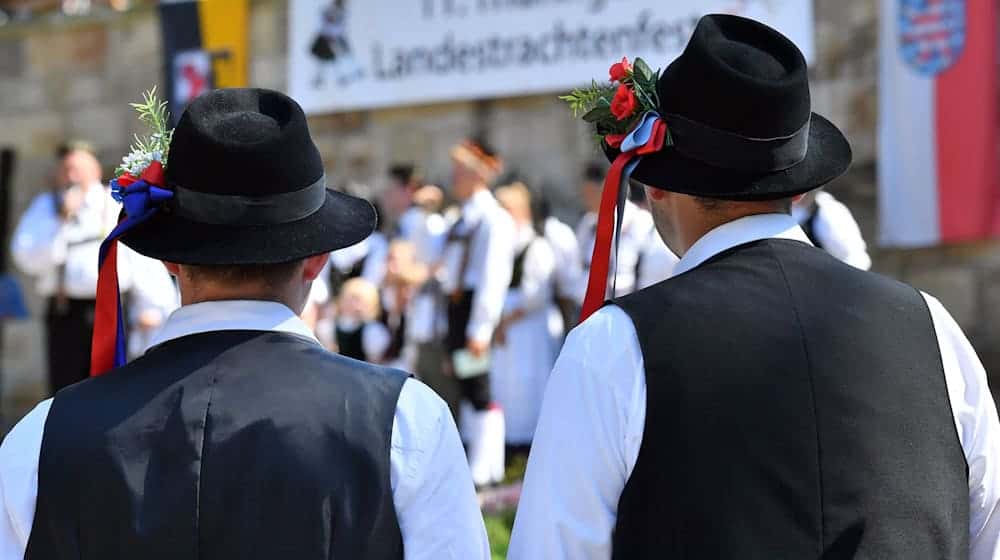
624,113
140,187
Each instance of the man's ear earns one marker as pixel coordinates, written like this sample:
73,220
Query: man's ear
172,268
314,266
655,193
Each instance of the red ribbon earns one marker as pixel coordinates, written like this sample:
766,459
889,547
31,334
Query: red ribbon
107,346
600,262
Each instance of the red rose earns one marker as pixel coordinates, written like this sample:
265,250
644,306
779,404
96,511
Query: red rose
624,103
615,140
619,70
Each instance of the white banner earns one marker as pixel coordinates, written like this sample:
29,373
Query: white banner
363,54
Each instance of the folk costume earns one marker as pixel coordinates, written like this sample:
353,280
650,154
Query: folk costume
478,265
237,435
830,226
523,359
767,401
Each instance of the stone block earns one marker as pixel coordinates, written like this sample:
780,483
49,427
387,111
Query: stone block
268,28
957,289
21,96
103,125
268,71
12,58
75,49
991,309
35,132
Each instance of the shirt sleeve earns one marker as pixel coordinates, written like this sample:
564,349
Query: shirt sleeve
38,245
431,484
494,247
586,444
978,430
19,481
840,234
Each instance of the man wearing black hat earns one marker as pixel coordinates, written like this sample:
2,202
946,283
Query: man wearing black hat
768,401
237,435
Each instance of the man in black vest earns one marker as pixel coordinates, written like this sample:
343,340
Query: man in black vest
237,435
768,401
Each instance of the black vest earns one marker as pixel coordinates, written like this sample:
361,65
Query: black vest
796,408
223,445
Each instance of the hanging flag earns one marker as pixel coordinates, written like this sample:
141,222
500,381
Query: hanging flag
204,47
939,175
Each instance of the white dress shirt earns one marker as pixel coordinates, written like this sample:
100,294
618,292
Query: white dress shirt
657,261
836,230
566,250
43,242
636,226
592,421
491,262
431,486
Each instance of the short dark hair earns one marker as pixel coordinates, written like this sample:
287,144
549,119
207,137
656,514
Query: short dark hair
594,172
782,205
404,173
270,274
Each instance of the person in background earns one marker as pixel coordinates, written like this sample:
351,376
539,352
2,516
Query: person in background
403,279
637,226
523,349
363,260
412,211
569,267
475,276
359,334
57,241
831,227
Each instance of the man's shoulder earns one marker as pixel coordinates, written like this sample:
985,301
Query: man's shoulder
292,358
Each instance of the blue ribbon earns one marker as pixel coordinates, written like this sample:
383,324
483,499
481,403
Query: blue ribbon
139,197
639,137
141,202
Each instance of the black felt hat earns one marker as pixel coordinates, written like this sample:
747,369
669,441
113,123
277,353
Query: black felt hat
737,105
249,187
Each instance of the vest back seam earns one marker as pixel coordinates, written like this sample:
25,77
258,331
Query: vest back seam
812,395
201,468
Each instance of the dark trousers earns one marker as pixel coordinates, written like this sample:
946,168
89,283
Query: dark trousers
68,331
474,389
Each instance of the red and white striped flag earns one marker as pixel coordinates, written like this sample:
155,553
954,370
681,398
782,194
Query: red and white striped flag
939,176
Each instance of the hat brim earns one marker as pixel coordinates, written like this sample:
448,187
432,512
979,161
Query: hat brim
828,157
342,221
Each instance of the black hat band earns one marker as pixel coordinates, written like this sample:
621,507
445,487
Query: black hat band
239,210
732,151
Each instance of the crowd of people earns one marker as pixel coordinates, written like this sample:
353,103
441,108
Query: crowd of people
471,288
754,398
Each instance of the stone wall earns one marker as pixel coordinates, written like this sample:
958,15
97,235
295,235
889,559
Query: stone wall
73,79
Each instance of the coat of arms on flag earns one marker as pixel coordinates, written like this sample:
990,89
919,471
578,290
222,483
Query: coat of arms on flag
932,33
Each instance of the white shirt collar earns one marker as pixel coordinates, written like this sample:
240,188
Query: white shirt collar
739,232
236,315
